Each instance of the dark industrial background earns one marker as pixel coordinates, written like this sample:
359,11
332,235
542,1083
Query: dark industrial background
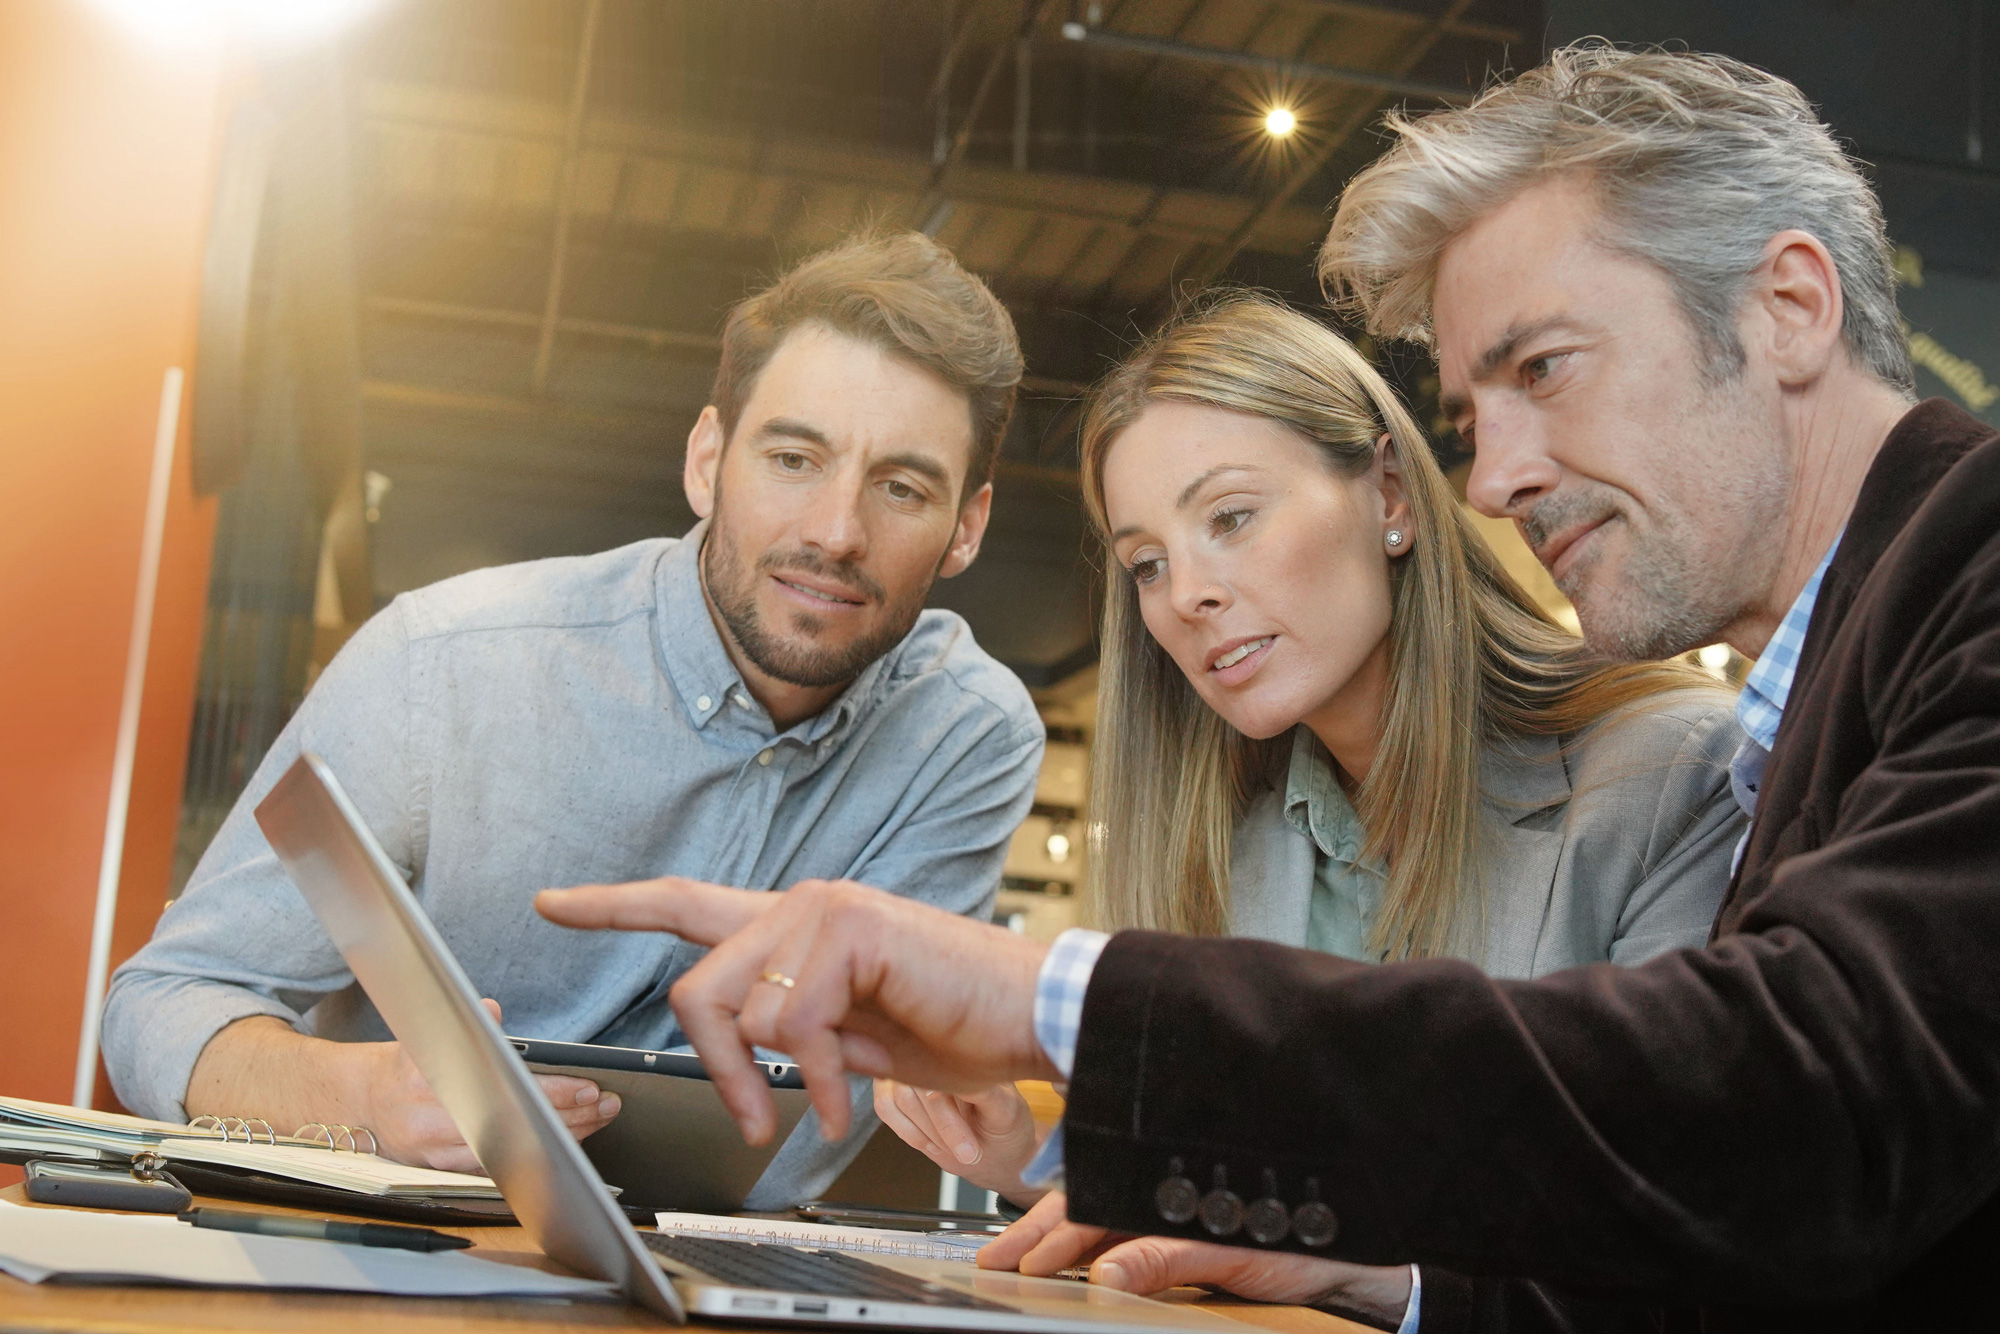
466,273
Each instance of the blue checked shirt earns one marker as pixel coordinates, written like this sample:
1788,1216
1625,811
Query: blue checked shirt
1766,690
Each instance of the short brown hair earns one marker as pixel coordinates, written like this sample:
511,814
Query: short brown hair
904,293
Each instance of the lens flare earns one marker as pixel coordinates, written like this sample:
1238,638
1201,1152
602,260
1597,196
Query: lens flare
1280,122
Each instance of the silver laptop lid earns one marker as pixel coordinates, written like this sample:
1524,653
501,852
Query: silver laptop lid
427,1002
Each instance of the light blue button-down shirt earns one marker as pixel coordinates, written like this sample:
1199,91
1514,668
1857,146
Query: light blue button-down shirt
574,721
1761,705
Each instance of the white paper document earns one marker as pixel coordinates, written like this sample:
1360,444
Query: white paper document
75,1245
828,1237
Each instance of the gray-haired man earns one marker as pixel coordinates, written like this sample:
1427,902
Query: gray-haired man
1661,302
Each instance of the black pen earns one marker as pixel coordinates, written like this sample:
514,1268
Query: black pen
325,1229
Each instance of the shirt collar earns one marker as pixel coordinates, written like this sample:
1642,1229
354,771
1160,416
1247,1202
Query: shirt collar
704,675
1315,804
1769,686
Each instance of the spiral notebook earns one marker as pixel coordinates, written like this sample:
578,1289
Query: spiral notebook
31,1129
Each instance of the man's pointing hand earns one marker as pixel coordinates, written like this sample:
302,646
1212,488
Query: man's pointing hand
843,978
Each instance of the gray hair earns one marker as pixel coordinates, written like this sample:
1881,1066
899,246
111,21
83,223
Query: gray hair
1697,160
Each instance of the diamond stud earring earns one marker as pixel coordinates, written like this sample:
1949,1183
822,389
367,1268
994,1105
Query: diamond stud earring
1395,538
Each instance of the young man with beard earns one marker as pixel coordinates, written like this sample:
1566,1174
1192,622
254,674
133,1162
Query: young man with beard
1664,314
762,701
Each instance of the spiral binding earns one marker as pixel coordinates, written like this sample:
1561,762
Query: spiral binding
224,1124
319,1134
314,1131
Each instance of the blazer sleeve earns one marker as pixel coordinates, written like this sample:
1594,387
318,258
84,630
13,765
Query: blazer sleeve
1793,1114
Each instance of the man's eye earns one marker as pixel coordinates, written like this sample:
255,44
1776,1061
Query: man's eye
1541,368
902,491
792,462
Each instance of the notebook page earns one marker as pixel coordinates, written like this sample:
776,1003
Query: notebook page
26,1110
362,1172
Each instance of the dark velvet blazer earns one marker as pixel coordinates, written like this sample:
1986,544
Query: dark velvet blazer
1795,1127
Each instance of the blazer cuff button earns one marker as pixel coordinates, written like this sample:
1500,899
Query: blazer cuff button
1176,1198
1221,1209
1312,1222
1268,1221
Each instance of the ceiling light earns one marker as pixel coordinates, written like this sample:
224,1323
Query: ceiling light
1058,848
1280,121
189,23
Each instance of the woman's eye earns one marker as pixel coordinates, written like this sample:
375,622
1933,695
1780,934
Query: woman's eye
1228,521
1143,571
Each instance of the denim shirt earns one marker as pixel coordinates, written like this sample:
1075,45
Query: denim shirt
575,721
1346,891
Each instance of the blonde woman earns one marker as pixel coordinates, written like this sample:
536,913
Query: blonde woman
1328,717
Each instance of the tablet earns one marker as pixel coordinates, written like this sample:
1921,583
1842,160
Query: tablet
672,1145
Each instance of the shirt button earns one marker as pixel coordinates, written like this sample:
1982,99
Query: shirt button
763,757
703,703
742,700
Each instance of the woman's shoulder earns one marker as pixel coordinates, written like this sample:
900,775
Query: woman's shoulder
1691,724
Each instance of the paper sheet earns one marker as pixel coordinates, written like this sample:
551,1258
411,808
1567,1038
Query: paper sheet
869,1240
37,1245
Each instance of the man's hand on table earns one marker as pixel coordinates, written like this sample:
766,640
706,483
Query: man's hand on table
265,1068
1043,1241
844,978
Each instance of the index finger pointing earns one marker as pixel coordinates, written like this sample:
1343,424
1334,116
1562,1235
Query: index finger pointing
704,914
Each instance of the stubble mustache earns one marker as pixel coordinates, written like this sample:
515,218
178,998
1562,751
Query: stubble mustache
804,561
1562,513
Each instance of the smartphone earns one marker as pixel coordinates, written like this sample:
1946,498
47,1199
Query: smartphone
908,1220
94,1186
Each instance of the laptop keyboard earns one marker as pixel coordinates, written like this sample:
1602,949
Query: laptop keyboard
751,1264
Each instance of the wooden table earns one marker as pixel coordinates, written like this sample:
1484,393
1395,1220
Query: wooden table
158,1310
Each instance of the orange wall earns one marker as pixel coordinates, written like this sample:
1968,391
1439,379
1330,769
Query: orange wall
107,149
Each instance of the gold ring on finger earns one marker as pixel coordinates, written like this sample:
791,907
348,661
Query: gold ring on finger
778,979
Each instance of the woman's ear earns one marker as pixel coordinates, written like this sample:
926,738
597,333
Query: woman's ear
1398,536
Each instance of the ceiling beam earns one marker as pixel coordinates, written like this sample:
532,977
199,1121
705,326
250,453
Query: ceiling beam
400,394
1357,78
451,312
933,208
702,345
1094,200
1409,18
1212,265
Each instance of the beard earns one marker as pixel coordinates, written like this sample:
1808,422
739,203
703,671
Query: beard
793,653
1681,583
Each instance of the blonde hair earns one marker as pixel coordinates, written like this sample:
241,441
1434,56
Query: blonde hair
1697,161
901,292
1472,658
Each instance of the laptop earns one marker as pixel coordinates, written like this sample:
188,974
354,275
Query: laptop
427,1002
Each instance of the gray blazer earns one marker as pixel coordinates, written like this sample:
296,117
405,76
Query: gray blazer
1615,848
